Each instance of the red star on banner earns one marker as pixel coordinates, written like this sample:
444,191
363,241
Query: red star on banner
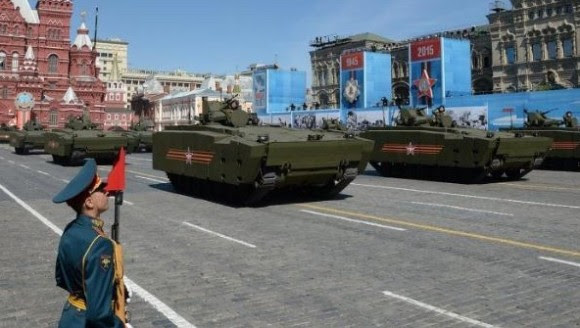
424,85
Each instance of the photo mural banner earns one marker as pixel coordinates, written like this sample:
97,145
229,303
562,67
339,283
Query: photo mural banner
260,82
352,80
425,73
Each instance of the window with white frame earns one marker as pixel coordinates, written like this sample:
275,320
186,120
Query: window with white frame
2,61
53,117
15,62
53,63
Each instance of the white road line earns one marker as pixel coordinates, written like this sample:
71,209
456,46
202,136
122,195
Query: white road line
11,161
124,201
439,310
219,235
535,187
42,172
2,158
27,207
551,259
24,166
462,208
141,159
168,312
150,179
354,220
65,180
468,196
171,315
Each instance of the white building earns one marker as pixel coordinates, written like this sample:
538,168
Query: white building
182,107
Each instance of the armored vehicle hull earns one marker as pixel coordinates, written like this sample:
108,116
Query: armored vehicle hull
432,147
24,141
564,153
144,140
241,165
462,155
6,133
71,147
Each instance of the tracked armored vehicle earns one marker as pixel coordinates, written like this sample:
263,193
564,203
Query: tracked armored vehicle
79,140
229,158
433,147
565,150
143,132
6,132
32,136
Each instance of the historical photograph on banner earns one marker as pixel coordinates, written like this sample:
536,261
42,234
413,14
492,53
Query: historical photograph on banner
472,117
361,120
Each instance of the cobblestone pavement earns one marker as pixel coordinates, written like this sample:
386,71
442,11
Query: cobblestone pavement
386,253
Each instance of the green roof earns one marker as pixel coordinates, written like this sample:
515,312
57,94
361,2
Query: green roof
370,37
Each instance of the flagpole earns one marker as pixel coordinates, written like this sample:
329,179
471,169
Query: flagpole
116,186
115,227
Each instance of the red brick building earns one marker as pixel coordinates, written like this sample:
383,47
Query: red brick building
42,75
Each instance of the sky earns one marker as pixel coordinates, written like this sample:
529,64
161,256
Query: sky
224,37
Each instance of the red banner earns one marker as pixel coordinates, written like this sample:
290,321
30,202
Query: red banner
426,49
352,61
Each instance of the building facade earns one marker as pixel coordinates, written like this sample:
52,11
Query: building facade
42,75
532,46
112,59
325,61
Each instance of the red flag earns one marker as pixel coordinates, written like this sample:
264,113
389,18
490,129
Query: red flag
116,180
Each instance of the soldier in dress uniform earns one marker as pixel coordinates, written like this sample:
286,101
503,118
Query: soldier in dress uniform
89,264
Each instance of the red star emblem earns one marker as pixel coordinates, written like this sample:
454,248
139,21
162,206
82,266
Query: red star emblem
188,156
424,85
410,149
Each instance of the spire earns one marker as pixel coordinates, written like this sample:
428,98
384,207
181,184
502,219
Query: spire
83,38
70,97
28,65
29,54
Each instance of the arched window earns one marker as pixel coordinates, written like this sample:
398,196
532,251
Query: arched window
15,62
2,61
53,117
84,68
52,63
474,61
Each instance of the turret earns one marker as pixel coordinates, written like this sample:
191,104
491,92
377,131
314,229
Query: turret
540,119
226,112
417,117
412,117
79,123
32,125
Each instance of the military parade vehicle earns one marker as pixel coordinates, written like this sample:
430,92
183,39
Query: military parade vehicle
229,158
565,150
6,132
433,147
32,136
143,132
80,139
